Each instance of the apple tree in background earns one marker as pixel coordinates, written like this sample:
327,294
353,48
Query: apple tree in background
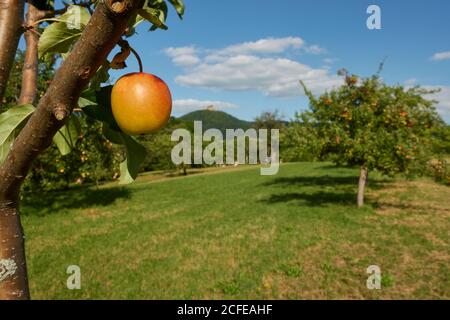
373,126
81,35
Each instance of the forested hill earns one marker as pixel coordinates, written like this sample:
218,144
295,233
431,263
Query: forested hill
216,119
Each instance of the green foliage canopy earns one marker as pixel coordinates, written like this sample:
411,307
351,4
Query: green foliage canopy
56,41
370,124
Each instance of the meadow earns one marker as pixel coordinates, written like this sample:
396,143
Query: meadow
233,234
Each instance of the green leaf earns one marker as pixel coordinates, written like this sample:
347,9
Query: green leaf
102,110
66,137
136,153
155,16
133,22
125,176
179,7
87,98
11,123
135,157
65,30
101,76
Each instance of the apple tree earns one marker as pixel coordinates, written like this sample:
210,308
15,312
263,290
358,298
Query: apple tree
80,35
374,126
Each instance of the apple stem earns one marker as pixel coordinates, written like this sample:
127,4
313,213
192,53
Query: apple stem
141,69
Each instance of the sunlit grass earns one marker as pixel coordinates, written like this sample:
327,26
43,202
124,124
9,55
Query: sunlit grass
237,234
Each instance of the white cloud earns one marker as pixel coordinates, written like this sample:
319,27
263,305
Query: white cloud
256,65
183,56
411,82
314,49
186,105
441,56
443,99
264,47
330,60
272,76
268,45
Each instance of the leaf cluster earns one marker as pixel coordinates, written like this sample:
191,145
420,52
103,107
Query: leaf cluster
366,122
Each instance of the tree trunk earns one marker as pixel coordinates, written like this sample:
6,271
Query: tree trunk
11,16
104,29
13,269
362,185
30,64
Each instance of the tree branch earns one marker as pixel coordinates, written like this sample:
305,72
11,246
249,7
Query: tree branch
45,14
11,16
104,29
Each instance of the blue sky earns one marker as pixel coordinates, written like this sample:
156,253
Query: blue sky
247,56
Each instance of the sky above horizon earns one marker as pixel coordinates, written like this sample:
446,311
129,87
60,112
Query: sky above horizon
246,57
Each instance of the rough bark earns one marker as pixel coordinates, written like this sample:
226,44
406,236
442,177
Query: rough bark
362,185
11,17
30,65
31,62
13,269
104,29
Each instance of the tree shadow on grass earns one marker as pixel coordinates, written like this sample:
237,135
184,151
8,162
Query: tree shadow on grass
315,199
343,193
180,174
325,180
330,167
350,182
47,203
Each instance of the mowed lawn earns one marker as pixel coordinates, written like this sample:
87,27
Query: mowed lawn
238,235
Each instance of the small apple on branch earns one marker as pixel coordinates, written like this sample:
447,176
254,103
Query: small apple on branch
141,102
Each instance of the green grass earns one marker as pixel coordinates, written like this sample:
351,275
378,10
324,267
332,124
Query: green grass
236,234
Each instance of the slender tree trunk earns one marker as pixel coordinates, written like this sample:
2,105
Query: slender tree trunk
104,29
31,62
11,18
13,269
13,273
362,185
30,66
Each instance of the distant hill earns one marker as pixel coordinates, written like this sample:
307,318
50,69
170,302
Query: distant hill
216,119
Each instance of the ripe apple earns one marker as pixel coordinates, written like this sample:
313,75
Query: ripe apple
141,103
